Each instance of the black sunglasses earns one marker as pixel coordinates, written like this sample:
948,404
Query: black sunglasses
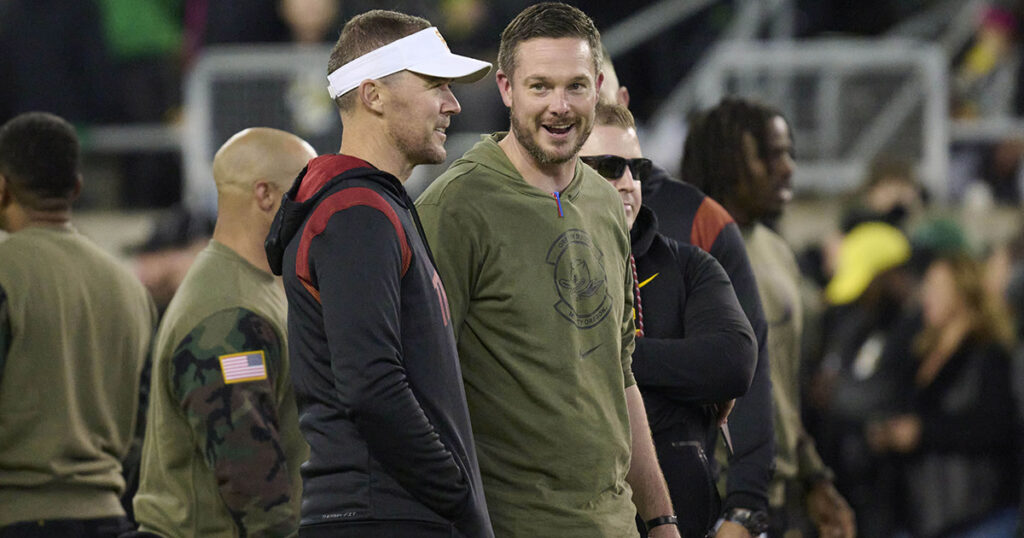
612,166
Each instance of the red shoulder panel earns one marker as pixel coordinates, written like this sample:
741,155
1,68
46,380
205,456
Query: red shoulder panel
339,201
711,217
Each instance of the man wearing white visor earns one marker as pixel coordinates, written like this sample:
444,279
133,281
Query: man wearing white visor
377,378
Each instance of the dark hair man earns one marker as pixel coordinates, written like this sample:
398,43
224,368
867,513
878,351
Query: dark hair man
374,363
75,328
532,245
695,351
741,154
689,216
222,449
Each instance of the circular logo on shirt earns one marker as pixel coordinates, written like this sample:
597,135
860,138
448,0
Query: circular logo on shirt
580,279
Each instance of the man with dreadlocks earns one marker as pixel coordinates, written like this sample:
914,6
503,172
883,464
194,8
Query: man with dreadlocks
741,154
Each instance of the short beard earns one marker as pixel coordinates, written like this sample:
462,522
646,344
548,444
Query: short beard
535,150
424,154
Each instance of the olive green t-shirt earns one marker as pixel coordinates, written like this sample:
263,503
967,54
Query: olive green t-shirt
78,326
222,449
778,283
540,294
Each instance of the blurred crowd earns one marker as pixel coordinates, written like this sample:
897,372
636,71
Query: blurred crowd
913,360
120,62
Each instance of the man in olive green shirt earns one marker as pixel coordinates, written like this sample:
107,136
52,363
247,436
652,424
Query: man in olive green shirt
740,153
532,248
75,328
222,450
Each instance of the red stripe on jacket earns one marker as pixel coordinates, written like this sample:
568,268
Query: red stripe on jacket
339,201
708,222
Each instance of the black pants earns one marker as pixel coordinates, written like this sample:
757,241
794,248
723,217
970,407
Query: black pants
379,529
107,527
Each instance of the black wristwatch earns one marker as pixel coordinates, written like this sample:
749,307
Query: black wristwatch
755,521
659,521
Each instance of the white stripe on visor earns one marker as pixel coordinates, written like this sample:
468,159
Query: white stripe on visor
424,52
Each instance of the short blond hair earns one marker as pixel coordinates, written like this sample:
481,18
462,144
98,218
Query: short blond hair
614,115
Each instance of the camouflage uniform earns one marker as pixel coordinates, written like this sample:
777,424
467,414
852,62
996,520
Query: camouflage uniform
221,455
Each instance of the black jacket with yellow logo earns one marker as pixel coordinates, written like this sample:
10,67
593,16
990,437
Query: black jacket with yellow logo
697,350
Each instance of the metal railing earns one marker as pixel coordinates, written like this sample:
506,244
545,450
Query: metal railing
847,100
833,152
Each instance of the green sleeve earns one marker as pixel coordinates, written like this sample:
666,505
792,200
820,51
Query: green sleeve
628,327
232,411
811,467
5,332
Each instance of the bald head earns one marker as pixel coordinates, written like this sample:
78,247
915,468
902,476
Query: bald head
252,170
259,154
611,92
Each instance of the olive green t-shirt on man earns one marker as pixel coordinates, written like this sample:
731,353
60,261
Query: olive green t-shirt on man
80,327
223,448
540,293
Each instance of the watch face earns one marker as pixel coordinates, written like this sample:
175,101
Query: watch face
758,523
755,522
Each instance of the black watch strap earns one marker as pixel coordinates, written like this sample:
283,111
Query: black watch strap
659,521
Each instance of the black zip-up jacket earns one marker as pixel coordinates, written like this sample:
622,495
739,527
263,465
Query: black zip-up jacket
697,350
373,357
689,216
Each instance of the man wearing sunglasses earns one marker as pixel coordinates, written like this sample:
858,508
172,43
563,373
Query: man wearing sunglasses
689,216
695,351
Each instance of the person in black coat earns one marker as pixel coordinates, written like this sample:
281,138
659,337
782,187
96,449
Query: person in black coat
695,350
691,217
954,437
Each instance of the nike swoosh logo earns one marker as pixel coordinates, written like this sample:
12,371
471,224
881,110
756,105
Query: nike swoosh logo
583,354
644,283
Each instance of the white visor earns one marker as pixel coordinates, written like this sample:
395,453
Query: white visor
424,52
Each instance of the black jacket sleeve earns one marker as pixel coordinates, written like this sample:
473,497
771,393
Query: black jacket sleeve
357,261
753,432
715,361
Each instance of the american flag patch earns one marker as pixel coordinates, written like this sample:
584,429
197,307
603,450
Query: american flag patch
245,366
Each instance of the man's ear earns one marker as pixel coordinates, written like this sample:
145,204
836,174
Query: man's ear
600,81
751,156
6,192
371,95
622,96
504,87
78,187
265,194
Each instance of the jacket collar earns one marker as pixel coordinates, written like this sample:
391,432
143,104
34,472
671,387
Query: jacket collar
318,178
644,229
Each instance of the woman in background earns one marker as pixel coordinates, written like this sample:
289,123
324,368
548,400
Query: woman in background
956,442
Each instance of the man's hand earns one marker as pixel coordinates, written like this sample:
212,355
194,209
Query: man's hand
904,433
830,512
901,433
731,529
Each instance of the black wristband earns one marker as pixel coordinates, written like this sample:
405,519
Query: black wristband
659,521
